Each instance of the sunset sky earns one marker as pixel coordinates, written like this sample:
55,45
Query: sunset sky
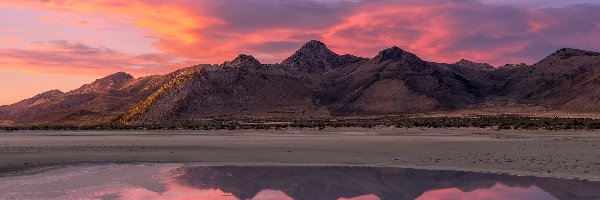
62,44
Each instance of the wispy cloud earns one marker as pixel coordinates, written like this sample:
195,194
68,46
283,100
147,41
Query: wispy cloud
66,57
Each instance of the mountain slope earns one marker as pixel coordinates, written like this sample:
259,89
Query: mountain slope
98,102
235,90
316,82
568,79
396,82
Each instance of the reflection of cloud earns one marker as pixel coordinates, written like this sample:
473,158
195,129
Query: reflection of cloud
271,195
364,197
176,192
498,192
179,192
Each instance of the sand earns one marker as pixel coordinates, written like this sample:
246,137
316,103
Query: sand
562,154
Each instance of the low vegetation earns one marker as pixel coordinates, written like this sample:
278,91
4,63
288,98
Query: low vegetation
493,122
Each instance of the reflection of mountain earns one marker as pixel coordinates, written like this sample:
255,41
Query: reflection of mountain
388,183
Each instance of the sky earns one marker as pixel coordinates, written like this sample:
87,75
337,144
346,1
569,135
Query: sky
62,44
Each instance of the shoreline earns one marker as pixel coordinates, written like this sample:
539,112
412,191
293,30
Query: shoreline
34,170
556,154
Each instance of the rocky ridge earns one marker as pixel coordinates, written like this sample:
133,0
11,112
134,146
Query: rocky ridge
316,82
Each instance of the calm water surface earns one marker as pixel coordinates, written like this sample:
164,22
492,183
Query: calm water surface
177,181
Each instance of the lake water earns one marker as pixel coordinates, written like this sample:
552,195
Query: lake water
179,181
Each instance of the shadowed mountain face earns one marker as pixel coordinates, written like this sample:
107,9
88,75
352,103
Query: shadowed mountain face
314,57
331,183
568,80
316,82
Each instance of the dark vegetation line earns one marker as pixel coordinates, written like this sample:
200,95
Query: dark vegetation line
502,122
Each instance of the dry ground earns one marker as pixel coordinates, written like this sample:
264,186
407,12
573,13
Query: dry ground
571,154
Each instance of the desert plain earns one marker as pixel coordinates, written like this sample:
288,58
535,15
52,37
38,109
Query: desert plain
561,154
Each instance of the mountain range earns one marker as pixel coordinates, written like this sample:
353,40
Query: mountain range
316,82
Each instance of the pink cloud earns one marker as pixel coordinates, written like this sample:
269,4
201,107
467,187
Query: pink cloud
67,57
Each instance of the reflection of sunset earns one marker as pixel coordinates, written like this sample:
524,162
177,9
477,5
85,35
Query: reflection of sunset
271,195
498,192
364,197
178,182
179,192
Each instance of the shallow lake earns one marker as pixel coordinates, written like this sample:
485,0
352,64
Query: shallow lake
188,181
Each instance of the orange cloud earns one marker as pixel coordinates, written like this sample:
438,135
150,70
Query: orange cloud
163,20
170,23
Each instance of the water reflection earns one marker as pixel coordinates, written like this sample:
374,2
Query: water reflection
182,182
367,183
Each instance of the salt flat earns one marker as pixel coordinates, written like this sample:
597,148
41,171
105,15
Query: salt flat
565,154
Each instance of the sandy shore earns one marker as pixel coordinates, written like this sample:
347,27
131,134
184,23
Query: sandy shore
565,154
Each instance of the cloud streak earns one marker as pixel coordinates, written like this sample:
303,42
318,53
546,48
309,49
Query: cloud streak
66,57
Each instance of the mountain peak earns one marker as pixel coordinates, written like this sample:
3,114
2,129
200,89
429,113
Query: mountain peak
38,99
47,94
113,81
396,54
512,66
313,44
474,65
313,57
118,76
565,53
51,93
464,61
242,60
